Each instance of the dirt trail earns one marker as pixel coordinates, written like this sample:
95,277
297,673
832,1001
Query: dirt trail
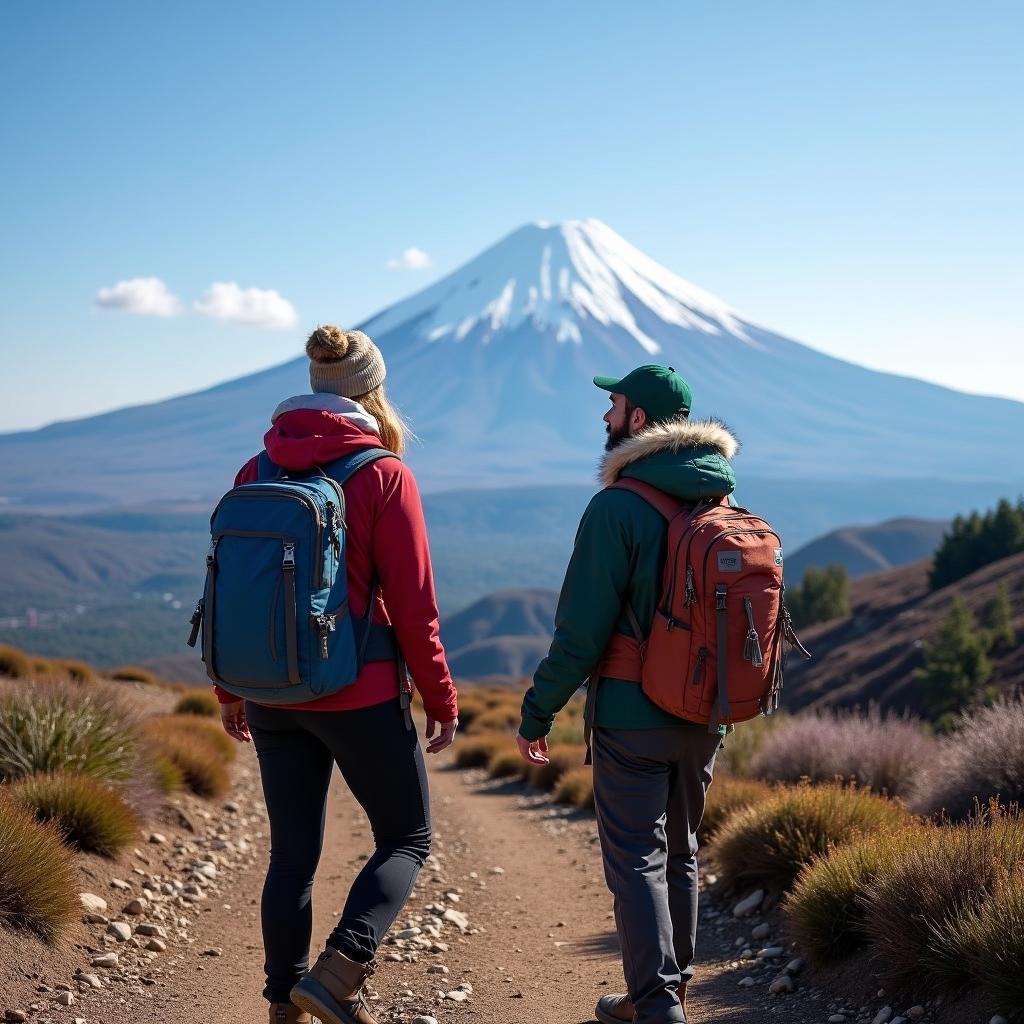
539,948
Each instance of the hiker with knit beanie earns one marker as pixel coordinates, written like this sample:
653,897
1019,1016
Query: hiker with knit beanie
365,727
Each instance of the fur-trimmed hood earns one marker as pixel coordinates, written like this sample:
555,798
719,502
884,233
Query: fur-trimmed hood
688,458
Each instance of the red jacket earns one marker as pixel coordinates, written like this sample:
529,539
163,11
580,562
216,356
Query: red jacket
386,533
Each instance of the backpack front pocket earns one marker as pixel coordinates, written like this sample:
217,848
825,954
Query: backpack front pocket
667,664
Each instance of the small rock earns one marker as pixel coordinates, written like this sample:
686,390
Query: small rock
437,969
914,1013
883,1016
497,871
136,907
119,883
92,903
121,931
15,1016
748,904
837,1018
157,838
781,985
794,966
207,869
409,933
762,931
104,960
770,952
424,1020
231,807
65,998
457,996
155,945
898,1020
92,980
457,918
149,928
747,982
212,951
998,1020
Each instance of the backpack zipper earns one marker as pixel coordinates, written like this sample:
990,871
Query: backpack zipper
698,669
752,643
326,624
196,622
732,533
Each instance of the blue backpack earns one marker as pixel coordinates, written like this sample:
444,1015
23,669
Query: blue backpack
274,614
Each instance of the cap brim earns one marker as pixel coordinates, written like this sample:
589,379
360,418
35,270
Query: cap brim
608,383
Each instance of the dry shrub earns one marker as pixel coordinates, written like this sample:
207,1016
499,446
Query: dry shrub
506,763
471,707
561,759
727,795
212,733
14,664
992,942
826,907
37,874
133,674
202,703
166,774
886,754
740,747
91,816
769,842
503,718
52,728
197,752
477,751
74,670
576,787
914,905
983,759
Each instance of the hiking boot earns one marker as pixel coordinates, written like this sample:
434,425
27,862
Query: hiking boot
287,1013
333,990
618,1009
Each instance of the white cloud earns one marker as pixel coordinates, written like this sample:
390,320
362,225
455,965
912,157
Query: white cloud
256,307
147,296
411,259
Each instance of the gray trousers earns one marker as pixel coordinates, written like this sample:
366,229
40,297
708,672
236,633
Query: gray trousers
649,788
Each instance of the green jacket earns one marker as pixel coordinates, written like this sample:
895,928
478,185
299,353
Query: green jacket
619,556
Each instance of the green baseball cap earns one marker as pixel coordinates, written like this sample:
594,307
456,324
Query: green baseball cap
658,390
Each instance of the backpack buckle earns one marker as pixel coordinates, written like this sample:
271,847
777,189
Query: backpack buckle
720,592
288,562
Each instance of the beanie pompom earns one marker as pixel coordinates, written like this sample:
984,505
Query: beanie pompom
328,344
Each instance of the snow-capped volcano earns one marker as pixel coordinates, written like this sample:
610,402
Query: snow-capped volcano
556,278
493,366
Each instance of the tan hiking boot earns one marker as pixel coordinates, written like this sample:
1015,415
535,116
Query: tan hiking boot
286,1013
333,990
618,1009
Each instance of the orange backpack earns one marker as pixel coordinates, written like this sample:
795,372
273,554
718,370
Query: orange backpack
714,653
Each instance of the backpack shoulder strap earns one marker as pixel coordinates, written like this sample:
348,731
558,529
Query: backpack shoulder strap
661,502
341,470
266,468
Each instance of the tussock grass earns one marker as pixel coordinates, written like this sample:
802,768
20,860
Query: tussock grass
471,707
827,906
52,728
477,751
503,718
561,759
882,753
202,703
37,874
210,732
198,748
727,795
992,942
92,817
133,674
506,763
14,664
914,905
74,670
576,787
982,759
768,843
166,774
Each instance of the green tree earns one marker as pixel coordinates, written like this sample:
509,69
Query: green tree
977,540
999,620
822,594
956,665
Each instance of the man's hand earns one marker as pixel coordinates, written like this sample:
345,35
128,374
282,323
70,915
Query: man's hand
535,752
232,717
444,737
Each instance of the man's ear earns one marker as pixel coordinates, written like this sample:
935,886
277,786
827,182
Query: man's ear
638,420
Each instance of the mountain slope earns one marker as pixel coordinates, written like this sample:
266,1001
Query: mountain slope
493,364
866,549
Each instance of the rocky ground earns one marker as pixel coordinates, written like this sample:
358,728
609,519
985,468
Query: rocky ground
510,923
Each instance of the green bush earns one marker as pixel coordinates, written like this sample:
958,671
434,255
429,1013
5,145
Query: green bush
476,751
727,795
91,816
956,664
913,907
826,907
769,842
821,595
54,728
37,874
576,787
14,664
202,703
133,674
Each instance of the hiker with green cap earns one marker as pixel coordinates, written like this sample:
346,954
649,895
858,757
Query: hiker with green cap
651,769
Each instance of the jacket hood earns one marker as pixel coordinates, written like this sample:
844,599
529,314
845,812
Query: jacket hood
688,459
307,432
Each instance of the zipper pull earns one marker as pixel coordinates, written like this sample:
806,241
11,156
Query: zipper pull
698,669
790,634
752,643
336,531
690,596
196,621
323,628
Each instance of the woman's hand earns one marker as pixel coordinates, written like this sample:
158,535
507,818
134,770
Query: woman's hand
232,717
444,737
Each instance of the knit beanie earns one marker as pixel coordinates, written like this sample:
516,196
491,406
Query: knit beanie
345,363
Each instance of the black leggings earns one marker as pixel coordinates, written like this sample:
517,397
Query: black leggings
382,764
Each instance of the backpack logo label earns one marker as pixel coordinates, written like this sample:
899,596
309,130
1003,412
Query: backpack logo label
778,556
730,561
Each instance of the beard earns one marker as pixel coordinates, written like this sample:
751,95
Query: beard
616,437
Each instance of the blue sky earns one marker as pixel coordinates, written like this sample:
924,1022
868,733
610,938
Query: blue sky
848,174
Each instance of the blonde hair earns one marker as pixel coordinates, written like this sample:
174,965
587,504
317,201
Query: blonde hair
394,431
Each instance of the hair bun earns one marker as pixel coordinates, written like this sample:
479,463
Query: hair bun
327,344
